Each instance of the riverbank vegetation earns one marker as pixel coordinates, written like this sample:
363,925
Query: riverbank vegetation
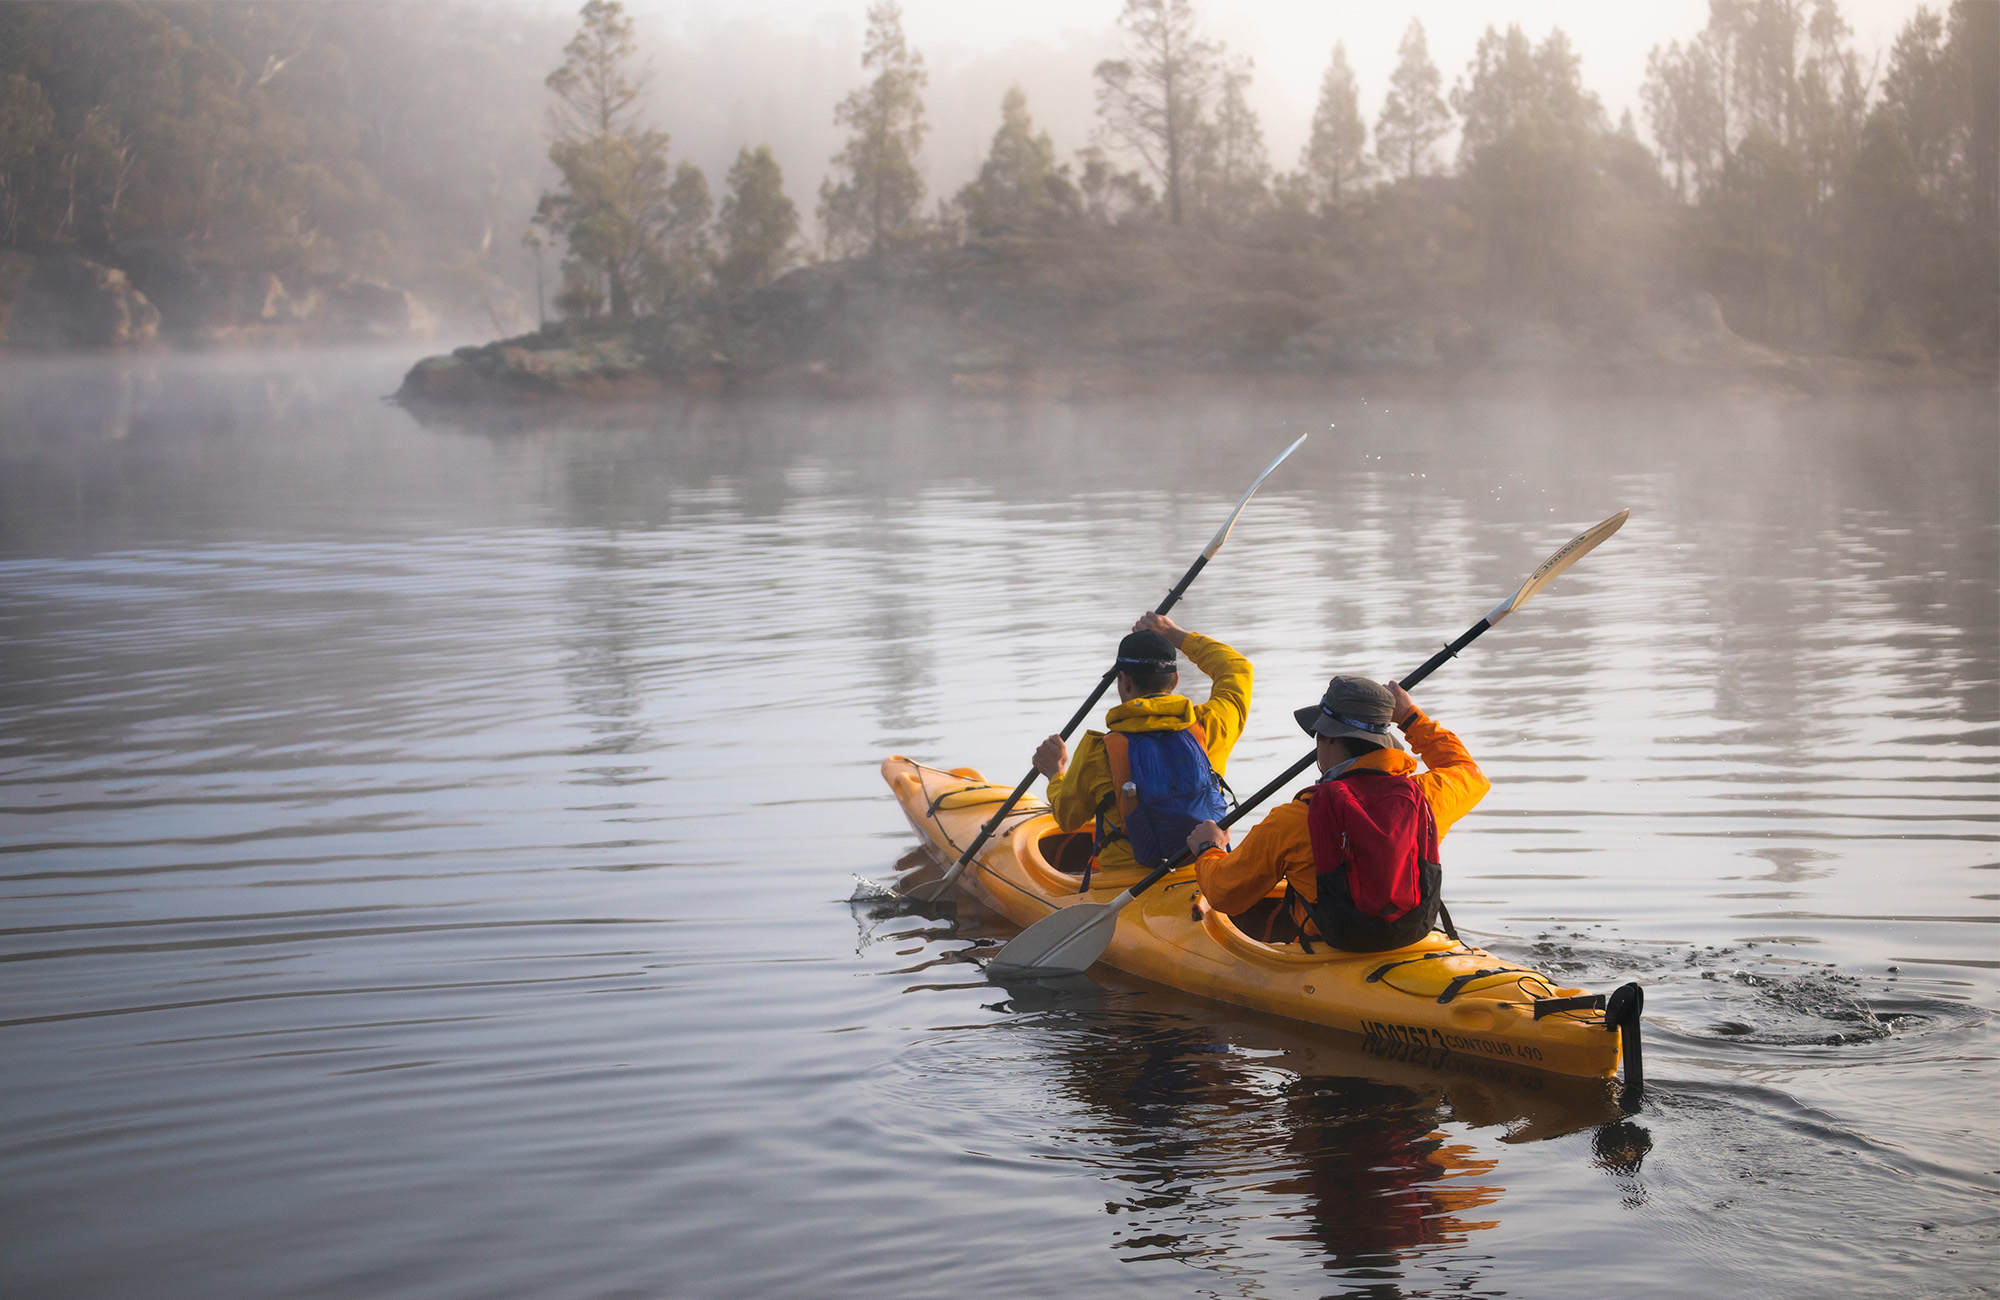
246,167
264,171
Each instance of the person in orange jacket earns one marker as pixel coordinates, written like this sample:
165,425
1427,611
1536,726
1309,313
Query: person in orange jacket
1147,701
1352,727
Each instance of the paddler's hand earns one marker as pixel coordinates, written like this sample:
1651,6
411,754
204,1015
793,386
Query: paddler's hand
1166,627
1206,836
1052,757
1401,706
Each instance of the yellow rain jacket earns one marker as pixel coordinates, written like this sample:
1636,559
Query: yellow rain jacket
1279,848
1075,796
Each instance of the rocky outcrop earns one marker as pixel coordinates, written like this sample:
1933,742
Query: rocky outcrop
604,363
1079,317
366,310
206,304
53,303
1692,332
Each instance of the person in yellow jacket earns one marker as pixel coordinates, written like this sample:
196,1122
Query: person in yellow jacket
1148,676
1352,727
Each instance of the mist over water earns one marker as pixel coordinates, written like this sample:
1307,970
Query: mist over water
446,861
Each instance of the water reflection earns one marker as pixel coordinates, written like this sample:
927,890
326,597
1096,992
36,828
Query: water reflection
461,696
1771,581
609,627
1240,1138
1789,866
1385,1186
1237,1140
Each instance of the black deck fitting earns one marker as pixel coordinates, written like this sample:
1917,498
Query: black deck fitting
1621,1012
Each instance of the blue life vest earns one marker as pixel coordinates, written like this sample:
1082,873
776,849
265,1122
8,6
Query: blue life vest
1174,788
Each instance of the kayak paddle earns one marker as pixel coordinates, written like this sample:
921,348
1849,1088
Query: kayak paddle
933,890
1073,937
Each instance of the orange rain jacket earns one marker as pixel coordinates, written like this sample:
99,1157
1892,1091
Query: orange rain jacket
1074,796
1280,849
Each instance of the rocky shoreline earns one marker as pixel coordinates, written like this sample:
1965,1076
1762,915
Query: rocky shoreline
1050,319
1057,319
61,303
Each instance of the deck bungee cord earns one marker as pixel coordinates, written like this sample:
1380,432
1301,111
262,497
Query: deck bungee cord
930,811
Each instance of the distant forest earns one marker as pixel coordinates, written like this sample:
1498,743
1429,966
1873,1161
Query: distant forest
466,152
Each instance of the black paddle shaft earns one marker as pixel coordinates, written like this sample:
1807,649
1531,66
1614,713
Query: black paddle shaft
1438,660
1185,856
1076,719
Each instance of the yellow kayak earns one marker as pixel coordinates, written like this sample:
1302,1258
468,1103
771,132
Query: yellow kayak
1439,994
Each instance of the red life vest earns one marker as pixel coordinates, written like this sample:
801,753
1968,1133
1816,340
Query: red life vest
1380,828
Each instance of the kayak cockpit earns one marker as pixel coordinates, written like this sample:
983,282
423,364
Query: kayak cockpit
1055,860
1228,932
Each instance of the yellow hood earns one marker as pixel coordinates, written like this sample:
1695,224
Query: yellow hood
1077,794
1152,713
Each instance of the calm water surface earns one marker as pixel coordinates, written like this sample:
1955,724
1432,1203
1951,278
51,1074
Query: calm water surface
448,862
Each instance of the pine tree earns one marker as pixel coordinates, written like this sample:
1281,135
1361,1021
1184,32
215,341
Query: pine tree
1686,109
1974,53
683,265
1111,197
1019,189
875,203
1335,157
27,128
1152,101
1234,166
1529,147
1414,115
757,224
614,204
1919,91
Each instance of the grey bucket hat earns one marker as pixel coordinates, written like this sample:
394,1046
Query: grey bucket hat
1353,706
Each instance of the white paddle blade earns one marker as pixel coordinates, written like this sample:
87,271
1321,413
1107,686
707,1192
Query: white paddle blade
1222,533
1064,941
1552,568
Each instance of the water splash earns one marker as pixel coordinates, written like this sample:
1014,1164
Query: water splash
869,891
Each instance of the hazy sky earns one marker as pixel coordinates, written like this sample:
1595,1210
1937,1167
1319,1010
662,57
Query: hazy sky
1050,45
